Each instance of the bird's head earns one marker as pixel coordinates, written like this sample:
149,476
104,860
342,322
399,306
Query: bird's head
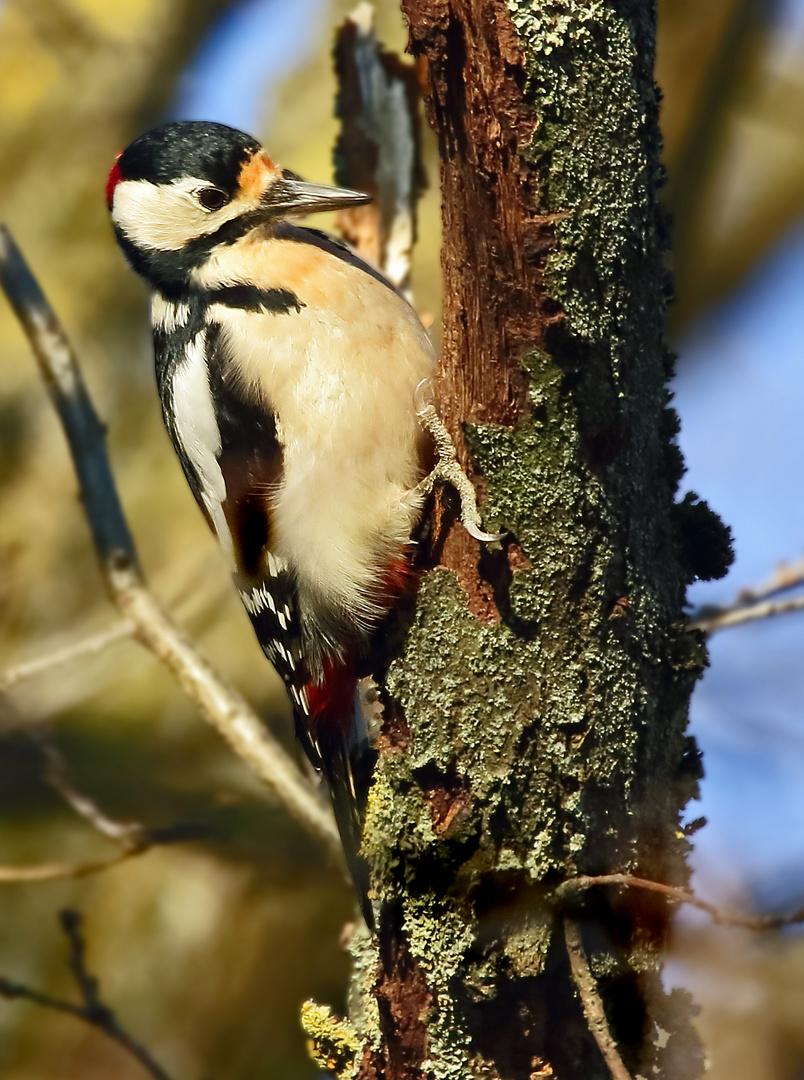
180,190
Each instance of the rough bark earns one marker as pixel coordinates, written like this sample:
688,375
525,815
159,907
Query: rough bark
535,724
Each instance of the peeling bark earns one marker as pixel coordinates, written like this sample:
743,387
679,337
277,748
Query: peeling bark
403,1000
538,718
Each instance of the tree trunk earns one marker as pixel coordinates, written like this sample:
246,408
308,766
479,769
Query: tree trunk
535,727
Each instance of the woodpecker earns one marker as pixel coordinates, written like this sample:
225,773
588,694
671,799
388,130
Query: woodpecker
287,370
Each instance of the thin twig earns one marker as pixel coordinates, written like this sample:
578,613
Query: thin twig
149,838
683,896
120,631
24,875
128,833
221,704
93,1011
590,1001
741,614
131,837
751,602
785,576
88,646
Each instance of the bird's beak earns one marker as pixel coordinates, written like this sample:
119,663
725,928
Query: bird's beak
294,196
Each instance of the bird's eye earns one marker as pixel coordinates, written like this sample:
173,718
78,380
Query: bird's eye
212,198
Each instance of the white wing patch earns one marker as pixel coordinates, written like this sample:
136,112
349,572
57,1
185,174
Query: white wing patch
261,598
167,316
299,695
199,435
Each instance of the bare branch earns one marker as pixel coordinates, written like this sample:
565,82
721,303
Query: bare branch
590,1001
753,603
68,393
25,875
131,837
93,1011
683,896
149,838
152,626
185,596
223,707
785,576
88,646
740,614
128,833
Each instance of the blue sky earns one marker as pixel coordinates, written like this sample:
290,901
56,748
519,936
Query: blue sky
739,393
253,45
791,20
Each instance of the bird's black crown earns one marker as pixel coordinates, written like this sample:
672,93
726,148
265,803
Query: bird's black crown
199,148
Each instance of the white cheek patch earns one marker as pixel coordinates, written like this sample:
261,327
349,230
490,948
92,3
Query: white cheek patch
199,435
165,217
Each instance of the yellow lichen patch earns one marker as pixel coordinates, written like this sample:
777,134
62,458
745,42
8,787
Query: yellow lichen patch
333,1043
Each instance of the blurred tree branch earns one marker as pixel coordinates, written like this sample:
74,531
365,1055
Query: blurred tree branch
710,621
131,837
93,1010
682,896
735,60
785,576
378,149
130,848
590,1000
756,602
87,646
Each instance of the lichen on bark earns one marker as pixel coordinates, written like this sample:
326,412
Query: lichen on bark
535,720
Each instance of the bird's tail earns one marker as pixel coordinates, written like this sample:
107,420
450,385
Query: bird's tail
336,738
349,807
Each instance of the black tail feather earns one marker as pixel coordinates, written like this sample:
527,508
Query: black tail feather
337,741
348,786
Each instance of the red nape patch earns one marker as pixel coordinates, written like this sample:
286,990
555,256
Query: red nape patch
115,177
332,701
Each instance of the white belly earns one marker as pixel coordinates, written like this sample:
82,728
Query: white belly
342,389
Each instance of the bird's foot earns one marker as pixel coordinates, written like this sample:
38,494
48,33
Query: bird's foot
447,468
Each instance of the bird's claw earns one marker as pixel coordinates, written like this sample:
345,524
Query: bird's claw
447,468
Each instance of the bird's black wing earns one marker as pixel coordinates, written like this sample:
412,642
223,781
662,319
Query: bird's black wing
250,460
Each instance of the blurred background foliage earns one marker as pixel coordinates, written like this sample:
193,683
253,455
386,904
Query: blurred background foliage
206,949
